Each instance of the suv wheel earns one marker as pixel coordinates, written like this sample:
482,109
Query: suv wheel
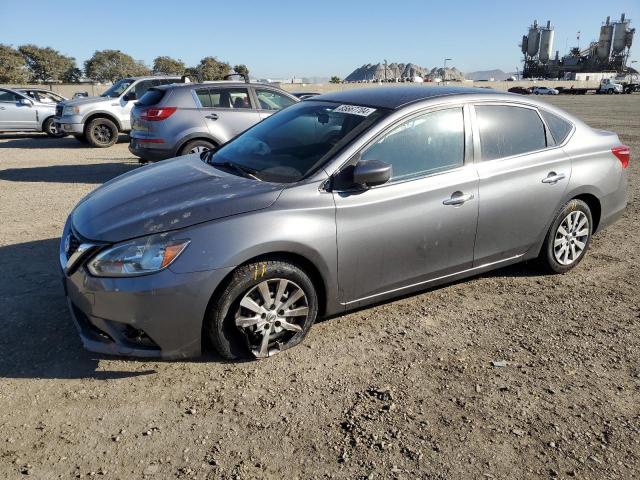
101,132
266,307
196,146
49,127
568,238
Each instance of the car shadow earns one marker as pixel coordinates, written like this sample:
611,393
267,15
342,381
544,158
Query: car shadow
41,140
38,337
97,173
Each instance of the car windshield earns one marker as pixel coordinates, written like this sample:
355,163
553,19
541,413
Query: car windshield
294,142
117,88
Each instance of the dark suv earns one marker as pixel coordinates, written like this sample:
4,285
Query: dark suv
177,119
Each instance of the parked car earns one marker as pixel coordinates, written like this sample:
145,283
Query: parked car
191,118
99,120
303,95
42,95
545,91
23,112
520,90
247,245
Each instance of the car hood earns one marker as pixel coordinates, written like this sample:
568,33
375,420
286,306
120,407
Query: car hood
166,196
78,102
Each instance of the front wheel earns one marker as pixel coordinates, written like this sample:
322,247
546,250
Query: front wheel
101,132
49,127
568,238
266,307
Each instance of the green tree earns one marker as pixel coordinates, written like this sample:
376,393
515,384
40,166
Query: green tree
73,75
45,63
241,69
335,79
210,68
168,66
14,68
112,65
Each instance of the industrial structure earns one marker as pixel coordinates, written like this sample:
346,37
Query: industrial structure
608,55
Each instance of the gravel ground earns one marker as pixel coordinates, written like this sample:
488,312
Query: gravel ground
508,375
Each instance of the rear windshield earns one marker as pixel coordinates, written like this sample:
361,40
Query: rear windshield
151,97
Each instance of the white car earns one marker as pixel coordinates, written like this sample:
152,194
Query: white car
545,91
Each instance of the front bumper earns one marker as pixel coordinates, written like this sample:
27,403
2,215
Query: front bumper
69,125
156,315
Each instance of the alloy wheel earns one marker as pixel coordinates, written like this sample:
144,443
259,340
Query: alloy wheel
571,238
270,314
102,133
199,149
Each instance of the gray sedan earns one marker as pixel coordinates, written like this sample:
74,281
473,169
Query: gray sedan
337,202
28,110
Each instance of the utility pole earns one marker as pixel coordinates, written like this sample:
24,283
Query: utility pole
444,69
385,70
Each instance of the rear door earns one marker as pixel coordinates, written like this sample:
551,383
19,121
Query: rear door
14,115
523,179
270,101
227,111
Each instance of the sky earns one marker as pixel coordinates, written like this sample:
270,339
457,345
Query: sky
283,39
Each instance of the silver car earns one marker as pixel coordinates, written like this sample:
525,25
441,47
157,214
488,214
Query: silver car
192,118
29,110
337,202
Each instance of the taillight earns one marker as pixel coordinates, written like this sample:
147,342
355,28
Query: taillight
623,153
157,114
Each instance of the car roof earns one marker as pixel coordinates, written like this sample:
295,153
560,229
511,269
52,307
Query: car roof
226,83
396,97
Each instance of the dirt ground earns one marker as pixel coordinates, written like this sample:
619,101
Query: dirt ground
403,390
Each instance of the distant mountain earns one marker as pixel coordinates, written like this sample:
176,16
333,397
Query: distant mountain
375,72
497,75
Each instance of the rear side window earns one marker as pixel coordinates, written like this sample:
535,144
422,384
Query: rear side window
224,98
152,97
558,127
9,97
507,131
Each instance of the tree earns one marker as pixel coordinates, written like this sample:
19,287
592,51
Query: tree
73,75
45,63
241,69
210,68
14,68
168,66
112,65
335,79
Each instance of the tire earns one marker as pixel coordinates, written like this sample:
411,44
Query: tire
50,129
101,132
81,138
610,92
560,253
225,313
196,146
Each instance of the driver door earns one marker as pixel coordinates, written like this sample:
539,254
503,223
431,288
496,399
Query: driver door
15,115
411,229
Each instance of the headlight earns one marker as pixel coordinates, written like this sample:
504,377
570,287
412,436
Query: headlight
137,257
70,111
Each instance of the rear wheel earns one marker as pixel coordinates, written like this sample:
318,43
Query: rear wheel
101,132
196,146
267,307
49,127
568,238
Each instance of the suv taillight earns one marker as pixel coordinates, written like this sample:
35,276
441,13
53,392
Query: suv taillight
623,153
157,114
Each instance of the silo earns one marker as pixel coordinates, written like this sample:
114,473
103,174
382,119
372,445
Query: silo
533,43
620,35
629,39
546,43
604,42
524,44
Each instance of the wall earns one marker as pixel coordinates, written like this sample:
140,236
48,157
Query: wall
67,89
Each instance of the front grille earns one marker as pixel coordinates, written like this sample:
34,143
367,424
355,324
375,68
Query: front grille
59,110
74,243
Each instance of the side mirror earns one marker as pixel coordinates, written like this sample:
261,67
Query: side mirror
26,102
130,96
370,173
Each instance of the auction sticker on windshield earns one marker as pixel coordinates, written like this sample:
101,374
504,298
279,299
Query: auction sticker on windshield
355,110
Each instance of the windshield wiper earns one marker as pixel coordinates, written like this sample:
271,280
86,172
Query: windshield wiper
243,171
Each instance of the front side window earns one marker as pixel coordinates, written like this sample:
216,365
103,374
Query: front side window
118,88
141,87
426,144
506,131
558,127
290,144
271,100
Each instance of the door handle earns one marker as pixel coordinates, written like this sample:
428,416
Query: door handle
553,178
458,198
213,116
